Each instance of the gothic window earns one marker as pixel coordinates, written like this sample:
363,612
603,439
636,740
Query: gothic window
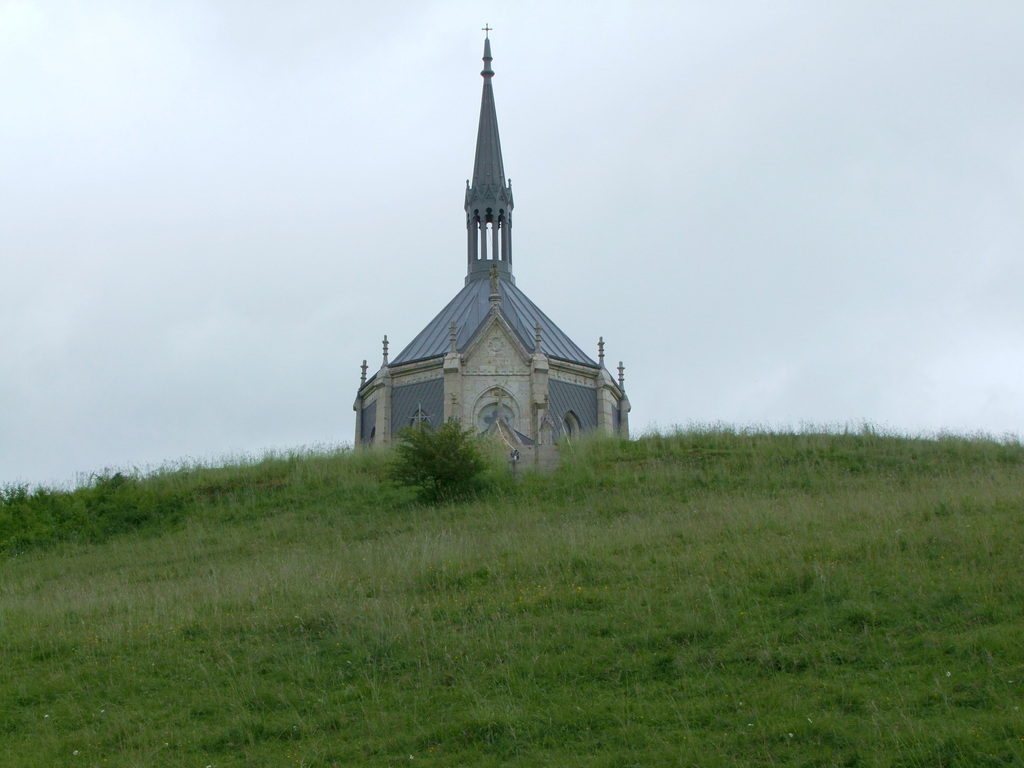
495,412
571,425
420,417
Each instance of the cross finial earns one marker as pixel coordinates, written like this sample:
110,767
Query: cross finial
487,29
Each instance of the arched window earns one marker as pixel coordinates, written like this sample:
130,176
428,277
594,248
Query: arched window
496,412
493,406
571,425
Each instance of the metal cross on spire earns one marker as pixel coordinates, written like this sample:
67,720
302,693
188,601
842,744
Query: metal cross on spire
487,29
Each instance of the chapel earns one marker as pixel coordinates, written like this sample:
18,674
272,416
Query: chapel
491,358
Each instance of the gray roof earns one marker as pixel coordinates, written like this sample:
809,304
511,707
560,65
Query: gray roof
469,310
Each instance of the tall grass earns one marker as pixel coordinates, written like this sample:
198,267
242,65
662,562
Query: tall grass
116,503
700,598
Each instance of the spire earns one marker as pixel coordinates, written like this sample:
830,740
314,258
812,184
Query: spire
488,170
489,194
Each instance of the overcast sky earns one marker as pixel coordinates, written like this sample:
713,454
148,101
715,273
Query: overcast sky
777,214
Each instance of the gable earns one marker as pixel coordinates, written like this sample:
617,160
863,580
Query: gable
496,352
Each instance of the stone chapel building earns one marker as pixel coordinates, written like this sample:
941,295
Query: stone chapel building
491,359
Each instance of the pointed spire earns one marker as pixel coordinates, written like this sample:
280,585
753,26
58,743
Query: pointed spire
488,169
488,194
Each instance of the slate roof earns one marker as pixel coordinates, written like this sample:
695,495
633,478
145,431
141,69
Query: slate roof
469,310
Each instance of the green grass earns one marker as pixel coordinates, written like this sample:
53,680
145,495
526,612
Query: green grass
702,598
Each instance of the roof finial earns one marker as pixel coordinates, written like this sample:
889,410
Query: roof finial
362,378
495,298
487,73
452,331
385,349
493,275
600,351
622,376
487,29
537,339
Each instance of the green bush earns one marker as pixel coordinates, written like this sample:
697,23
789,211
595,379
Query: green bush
442,464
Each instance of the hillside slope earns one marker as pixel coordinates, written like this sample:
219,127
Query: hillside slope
704,598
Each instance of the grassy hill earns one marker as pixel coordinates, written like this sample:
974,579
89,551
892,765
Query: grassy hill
704,598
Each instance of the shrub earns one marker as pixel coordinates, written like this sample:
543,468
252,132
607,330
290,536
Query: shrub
108,506
442,464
